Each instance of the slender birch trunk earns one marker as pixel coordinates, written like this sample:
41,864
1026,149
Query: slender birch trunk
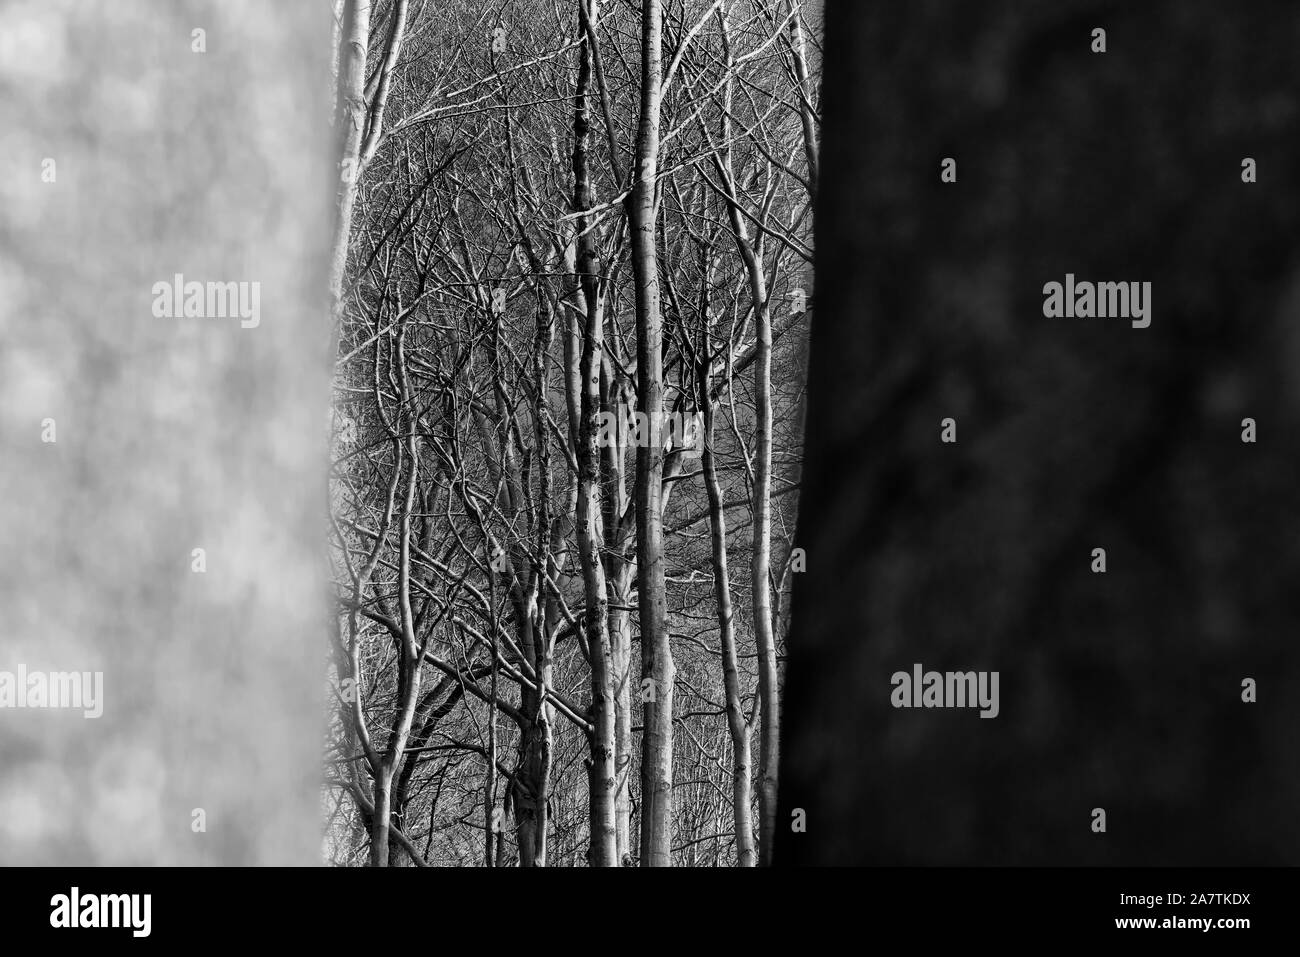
656,653
768,681
620,636
736,724
751,253
807,120
410,651
350,127
603,848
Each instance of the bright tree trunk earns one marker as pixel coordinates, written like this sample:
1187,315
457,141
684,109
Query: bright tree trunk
601,771
349,125
656,653
737,726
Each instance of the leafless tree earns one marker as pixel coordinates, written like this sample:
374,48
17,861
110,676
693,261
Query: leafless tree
571,298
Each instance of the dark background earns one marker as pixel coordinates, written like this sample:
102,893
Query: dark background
1123,690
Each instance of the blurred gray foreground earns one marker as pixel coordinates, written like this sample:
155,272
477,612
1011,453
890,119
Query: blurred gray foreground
172,433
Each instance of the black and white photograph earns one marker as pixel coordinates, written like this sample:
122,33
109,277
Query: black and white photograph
853,440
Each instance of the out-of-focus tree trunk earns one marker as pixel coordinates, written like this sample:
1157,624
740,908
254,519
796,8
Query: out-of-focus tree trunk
349,126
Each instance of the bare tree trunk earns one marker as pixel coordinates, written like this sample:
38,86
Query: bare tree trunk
490,833
656,652
349,125
533,764
751,253
549,544
807,118
736,724
620,634
358,120
620,567
760,562
768,681
603,849
410,651
376,91
379,836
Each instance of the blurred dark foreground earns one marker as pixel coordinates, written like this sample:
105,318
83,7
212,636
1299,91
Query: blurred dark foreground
1120,691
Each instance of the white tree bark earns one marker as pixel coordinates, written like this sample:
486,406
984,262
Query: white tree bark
656,651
